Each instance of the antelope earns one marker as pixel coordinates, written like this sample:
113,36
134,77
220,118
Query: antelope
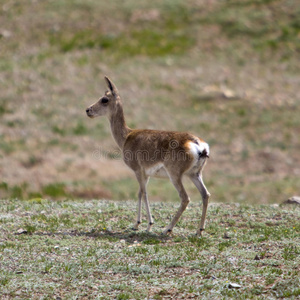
155,153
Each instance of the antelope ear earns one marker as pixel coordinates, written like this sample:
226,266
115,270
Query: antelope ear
111,87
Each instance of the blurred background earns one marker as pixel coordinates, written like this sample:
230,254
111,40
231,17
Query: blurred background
227,71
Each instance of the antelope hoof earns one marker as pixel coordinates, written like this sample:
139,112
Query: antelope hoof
136,226
167,231
149,227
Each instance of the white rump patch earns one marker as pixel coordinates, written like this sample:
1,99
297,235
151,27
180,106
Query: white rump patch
198,149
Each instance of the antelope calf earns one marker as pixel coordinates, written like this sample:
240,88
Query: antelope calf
155,153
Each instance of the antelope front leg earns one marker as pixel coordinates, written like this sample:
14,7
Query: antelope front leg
143,180
149,216
138,222
184,203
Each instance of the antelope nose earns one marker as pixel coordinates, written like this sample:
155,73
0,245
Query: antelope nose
87,110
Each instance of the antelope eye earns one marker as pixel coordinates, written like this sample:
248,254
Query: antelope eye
104,100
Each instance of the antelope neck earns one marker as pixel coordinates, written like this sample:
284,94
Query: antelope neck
118,126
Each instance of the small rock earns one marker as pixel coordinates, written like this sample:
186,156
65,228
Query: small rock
293,200
135,244
21,231
109,229
229,94
226,236
256,257
234,286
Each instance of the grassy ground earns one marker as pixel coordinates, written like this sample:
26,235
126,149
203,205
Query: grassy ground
86,250
224,70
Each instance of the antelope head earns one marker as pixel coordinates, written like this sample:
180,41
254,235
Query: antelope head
107,103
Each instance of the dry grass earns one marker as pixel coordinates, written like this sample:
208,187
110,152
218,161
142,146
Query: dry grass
224,71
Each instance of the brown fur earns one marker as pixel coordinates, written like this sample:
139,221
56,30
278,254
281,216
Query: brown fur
158,145
155,153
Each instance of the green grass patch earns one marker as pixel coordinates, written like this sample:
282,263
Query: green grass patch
58,130
148,42
80,129
166,35
55,190
4,108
